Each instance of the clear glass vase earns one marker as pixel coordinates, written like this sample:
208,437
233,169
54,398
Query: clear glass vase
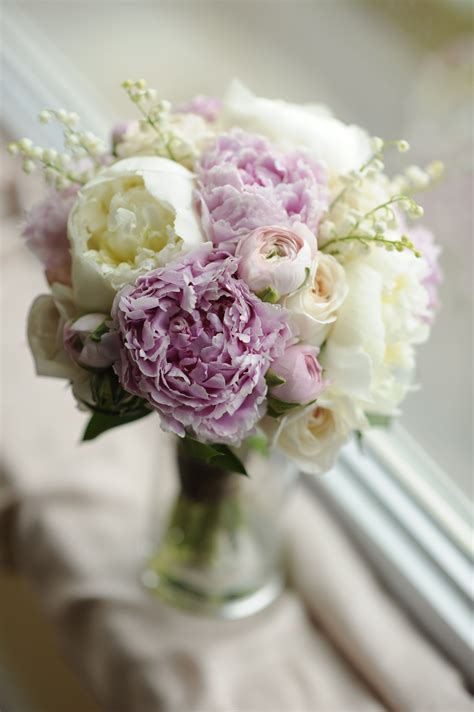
219,548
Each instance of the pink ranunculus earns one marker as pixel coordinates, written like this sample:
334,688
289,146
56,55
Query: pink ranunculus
276,258
196,344
88,348
45,233
245,182
423,240
302,372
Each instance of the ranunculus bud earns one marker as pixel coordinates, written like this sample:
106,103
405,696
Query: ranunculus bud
88,342
301,373
276,260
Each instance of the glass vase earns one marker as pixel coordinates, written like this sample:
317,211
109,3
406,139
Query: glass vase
219,547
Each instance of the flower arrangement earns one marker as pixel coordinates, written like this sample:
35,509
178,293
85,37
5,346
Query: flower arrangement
244,268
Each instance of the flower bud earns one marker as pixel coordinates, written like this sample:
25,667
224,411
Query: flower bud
301,373
88,342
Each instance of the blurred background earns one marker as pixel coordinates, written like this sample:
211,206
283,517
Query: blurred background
400,68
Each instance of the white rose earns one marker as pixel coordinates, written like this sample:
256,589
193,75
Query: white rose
368,355
340,147
128,220
314,307
314,437
46,319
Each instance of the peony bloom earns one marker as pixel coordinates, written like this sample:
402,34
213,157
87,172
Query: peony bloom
128,220
312,438
197,344
45,233
369,353
314,308
244,182
96,353
206,106
302,375
340,148
276,258
423,240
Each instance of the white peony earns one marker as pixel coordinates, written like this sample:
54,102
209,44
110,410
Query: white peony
369,353
314,307
339,147
314,437
133,217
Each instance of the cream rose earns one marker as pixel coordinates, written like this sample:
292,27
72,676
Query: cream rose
314,437
340,147
315,306
133,217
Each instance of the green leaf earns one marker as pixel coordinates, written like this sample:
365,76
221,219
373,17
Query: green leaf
259,443
268,295
377,420
273,380
98,333
360,440
101,422
277,407
215,454
307,273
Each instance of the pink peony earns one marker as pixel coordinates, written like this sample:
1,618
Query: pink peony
276,259
206,106
302,373
196,344
244,182
45,233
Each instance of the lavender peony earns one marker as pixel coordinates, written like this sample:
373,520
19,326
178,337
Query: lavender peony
45,233
244,182
196,343
206,106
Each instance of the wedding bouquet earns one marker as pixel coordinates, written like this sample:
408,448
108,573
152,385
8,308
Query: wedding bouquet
244,268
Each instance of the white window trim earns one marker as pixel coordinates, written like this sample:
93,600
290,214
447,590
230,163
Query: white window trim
391,503
406,513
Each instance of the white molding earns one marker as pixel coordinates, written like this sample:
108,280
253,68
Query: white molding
419,561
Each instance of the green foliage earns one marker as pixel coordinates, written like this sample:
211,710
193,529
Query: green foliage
377,420
101,422
273,380
268,295
258,443
215,454
277,407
